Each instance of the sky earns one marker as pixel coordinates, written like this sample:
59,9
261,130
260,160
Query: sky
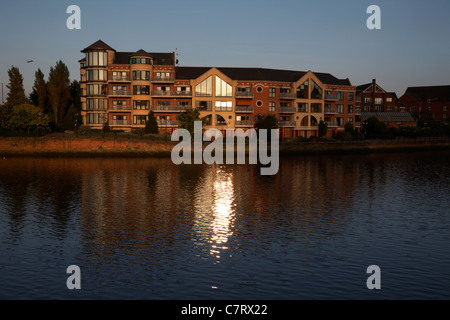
412,48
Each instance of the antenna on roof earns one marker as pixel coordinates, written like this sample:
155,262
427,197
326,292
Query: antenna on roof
176,57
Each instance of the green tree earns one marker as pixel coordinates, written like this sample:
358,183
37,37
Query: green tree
40,94
323,128
350,129
268,122
16,94
27,117
59,90
375,129
188,118
151,125
72,119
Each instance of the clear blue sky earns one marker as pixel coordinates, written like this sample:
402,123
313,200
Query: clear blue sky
411,49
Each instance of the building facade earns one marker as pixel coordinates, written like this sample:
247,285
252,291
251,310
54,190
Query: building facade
122,87
428,102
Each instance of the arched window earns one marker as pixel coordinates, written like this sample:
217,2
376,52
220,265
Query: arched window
204,88
207,120
223,89
304,122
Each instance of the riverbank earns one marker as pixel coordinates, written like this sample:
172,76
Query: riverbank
68,145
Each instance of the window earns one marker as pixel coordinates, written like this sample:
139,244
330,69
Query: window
351,96
340,108
204,88
388,99
204,105
96,104
96,75
259,103
368,101
141,75
220,121
340,95
119,75
242,118
259,89
224,106
95,89
350,120
96,118
140,119
141,104
444,108
350,108
444,116
272,106
302,107
223,89
303,90
163,75
379,101
140,61
388,108
316,107
316,91
141,89
96,59
272,92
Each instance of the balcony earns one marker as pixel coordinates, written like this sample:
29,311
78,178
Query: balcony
332,124
167,123
284,124
163,79
358,110
244,109
171,94
170,108
287,95
330,110
331,96
244,94
119,78
117,93
244,123
120,122
119,108
286,110
303,109
316,109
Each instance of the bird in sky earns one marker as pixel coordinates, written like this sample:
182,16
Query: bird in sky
28,61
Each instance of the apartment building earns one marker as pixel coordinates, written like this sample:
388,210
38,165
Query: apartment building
122,87
374,101
428,102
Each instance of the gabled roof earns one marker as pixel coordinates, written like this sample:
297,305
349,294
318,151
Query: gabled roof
433,93
99,45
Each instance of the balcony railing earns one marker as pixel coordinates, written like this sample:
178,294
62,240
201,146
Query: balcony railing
160,93
119,78
286,110
119,93
315,109
171,108
332,124
302,109
286,123
358,110
162,79
167,123
287,95
330,110
120,122
244,123
244,109
244,94
331,96
119,108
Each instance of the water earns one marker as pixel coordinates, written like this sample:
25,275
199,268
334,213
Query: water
147,229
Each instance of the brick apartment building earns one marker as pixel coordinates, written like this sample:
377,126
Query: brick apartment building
122,87
428,102
374,101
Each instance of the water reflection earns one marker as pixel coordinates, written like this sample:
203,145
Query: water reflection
146,224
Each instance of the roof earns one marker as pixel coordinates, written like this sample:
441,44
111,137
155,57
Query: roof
159,58
433,93
389,116
362,87
257,74
99,45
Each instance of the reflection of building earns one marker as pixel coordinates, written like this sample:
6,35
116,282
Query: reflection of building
122,87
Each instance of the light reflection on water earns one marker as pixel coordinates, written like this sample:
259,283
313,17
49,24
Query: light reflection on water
147,229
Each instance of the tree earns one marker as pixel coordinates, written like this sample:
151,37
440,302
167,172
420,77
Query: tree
375,129
27,117
323,128
188,118
40,94
72,119
350,129
59,90
266,122
75,94
16,94
151,125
